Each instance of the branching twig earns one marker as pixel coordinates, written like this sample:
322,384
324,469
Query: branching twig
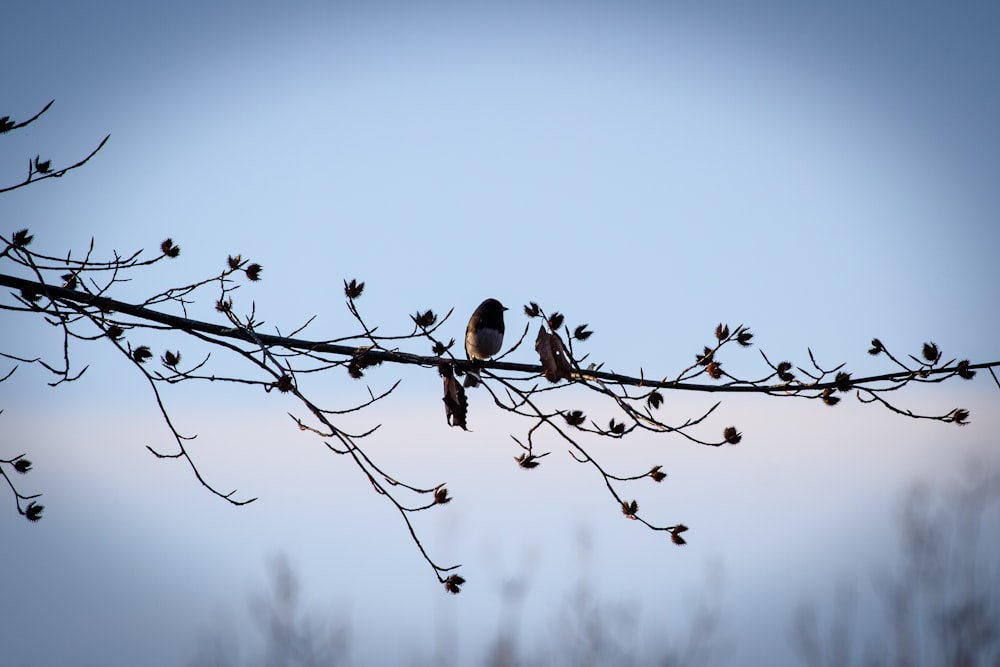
78,305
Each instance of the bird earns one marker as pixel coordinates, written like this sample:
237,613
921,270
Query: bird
484,334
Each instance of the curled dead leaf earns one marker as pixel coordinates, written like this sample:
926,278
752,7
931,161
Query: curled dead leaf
456,404
553,356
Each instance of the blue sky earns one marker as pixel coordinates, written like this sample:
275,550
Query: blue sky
823,175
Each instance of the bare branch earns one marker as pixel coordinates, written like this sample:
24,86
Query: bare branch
35,174
74,295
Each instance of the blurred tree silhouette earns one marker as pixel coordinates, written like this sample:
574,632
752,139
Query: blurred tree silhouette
941,601
73,295
941,604
587,632
291,636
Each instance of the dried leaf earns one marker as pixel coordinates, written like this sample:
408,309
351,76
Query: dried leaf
353,289
843,382
253,272
425,319
360,361
456,404
169,249
527,461
29,293
42,166
453,584
581,333
21,238
440,348
553,356
630,509
284,384
33,512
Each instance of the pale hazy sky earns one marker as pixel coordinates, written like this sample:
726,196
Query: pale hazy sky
824,175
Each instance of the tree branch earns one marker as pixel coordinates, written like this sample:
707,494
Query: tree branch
107,304
73,295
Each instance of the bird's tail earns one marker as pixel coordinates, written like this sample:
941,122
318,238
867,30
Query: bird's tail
472,378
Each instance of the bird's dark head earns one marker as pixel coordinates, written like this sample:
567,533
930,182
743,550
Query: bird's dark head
494,305
490,314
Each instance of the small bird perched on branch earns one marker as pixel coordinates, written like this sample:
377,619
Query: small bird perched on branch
484,335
